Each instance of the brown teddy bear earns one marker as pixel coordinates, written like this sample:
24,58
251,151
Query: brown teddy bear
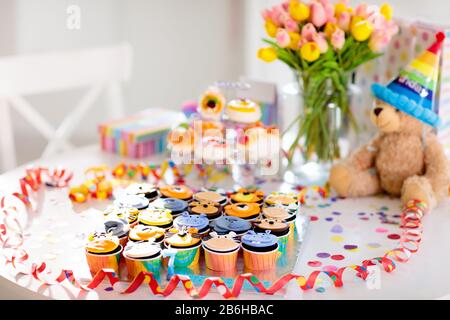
405,159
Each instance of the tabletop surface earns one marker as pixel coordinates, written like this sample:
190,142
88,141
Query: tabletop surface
341,233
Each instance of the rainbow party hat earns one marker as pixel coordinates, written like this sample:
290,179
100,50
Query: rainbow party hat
413,91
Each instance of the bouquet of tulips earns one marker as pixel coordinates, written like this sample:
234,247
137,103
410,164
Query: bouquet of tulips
324,43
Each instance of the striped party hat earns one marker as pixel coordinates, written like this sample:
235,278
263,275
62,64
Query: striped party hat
413,91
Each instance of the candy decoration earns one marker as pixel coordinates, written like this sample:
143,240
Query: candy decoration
10,229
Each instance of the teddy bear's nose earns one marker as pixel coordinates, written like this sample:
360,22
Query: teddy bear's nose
377,111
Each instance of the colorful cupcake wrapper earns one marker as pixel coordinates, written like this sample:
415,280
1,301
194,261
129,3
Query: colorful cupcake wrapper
136,266
260,260
97,262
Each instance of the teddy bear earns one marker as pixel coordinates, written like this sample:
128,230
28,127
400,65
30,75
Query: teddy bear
405,158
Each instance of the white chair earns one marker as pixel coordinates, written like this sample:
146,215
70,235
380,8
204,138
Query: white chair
97,70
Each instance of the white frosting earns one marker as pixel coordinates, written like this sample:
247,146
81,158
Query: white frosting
141,249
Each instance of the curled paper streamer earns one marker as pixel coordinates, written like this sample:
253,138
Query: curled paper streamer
11,239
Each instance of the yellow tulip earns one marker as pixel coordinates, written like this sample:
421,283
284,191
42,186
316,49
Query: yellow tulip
271,28
387,11
361,30
339,8
298,11
267,54
330,28
310,51
295,39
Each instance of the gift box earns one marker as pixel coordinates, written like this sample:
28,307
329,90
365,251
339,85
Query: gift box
413,38
141,135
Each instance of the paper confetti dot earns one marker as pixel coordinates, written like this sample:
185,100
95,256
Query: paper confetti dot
394,236
337,229
329,219
320,290
323,255
350,247
337,213
337,239
109,289
373,245
381,230
337,257
314,263
329,268
313,218
301,281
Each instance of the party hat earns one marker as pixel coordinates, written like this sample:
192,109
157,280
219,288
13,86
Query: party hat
413,91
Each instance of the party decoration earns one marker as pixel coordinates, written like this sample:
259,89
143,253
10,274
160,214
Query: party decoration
408,158
324,43
140,135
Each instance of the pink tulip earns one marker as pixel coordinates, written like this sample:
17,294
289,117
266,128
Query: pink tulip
391,28
361,10
378,41
265,14
283,38
329,10
338,39
308,32
343,21
321,41
291,26
285,5
377,20
318,14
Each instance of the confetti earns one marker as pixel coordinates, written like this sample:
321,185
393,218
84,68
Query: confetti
337,229
373,245
329,268
323,255
394,236
337,257
350,247
337,239
314,218
314,263
320,290
329,219
381,230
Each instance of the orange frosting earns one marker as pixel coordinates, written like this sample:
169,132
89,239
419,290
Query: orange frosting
177,192
246,196
242,210
102,243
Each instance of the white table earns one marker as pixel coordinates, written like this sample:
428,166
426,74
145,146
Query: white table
425,276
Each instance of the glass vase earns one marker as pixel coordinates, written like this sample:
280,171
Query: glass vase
318,132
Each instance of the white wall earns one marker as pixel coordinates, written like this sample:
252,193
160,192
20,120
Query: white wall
180,47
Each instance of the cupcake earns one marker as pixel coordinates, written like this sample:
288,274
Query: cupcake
221,252
243,111
227,224
128,214
277,228
117,227
260,251
212,210
156,218
211,196
146,233
131,201
176,206
289,201
199,222
281,213
103,252
146,190
187,242
142,257
247,196
177,192
247,211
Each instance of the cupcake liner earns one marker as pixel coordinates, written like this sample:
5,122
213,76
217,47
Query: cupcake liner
283,243
185,258
136,266
260,260
123,241
97,262
221,261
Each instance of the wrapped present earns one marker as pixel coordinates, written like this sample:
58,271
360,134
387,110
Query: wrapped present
141,135
414,37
